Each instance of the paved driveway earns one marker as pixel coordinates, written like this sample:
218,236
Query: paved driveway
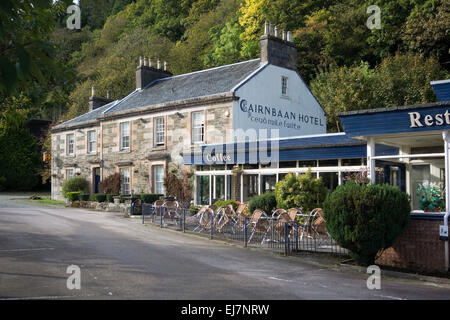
119,258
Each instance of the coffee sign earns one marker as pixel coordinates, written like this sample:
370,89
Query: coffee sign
220,157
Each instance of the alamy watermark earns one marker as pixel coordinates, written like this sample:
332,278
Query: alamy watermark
74,280
374,21
74,20
374,280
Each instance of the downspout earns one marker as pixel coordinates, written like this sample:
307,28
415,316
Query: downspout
445,135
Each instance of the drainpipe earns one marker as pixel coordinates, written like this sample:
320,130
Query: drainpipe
446,136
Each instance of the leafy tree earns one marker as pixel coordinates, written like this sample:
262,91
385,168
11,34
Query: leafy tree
227,46
390,84
18,153
180,185
304,191
428,33
110,185
25,51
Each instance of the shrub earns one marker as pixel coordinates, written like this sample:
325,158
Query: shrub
366,218
179,184
266,202
305,191
123,196
110,185
222,203
99,197
193,210
73,196
75,184
110,198
84,196
149,198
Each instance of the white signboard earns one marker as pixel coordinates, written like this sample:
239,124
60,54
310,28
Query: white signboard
263,104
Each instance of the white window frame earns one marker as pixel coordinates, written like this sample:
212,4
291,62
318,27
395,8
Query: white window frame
122,136
92,144
195,127
124,182
284,85
67,173
158,182
159,131
70,147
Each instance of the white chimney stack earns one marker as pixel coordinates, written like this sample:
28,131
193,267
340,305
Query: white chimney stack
150,62
92,91
159,64
266,28
145,62
289,36
277,32
165,65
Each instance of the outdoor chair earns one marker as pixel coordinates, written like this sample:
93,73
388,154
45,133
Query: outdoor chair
277,212
240,209
223,216
204,222
258,222
318,223
172,208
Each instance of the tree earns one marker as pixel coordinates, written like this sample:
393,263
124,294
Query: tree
226,47
428,34
303,191
180,185
18,153
25,51
390,84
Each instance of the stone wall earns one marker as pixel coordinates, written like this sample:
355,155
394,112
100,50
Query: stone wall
142,154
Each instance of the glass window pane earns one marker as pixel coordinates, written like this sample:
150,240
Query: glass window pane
330,180
328,163
352,162
288,164
202,190
125,180
250,186
268,183
307,164
159,179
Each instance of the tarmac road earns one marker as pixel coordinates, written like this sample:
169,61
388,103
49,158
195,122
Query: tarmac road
121,259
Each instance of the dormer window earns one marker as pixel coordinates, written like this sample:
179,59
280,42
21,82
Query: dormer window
284,84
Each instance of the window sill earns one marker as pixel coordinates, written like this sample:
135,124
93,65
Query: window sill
160,148
128,150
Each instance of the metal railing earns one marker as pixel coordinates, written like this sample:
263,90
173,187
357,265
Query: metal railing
266,232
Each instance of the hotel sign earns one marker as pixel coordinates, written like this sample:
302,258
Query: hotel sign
274,116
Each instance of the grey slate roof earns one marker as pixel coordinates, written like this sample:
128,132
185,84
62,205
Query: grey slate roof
86,117
186,86
191,85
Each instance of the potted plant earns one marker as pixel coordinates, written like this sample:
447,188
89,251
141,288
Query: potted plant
432,199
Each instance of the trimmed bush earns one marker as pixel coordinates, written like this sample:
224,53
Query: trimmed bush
266,202
366,218
84,196
73,196
123,196
99,197
305,191
222,203
149,197
75,184
110,198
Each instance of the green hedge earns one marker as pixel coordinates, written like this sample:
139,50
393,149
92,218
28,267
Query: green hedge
366,218
149,197
266,202
73,196
110,198
222,203
123,196
99,197
84,196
